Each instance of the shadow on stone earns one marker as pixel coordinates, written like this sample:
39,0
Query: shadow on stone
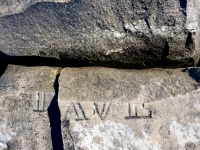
194,73
3,67
183,3
3,63
55,122
29,60
62,61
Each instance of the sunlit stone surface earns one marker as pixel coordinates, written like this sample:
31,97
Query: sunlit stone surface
104,108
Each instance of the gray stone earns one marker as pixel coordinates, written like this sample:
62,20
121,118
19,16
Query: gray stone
109,33
26,94
8,7
104,108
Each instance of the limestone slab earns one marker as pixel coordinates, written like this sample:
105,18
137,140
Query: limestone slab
104,108
26,94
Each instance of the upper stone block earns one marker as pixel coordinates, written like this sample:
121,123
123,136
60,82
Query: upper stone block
137,33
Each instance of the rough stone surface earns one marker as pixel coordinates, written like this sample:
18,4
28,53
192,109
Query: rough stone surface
143,33
8,7
104,108
26,94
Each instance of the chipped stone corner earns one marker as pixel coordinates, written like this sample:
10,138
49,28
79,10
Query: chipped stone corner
5,136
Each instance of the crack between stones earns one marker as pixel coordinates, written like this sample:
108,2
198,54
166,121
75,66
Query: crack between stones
55,119
62,62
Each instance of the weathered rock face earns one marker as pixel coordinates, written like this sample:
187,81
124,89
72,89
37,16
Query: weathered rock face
141,33
16,6
26,98
107,109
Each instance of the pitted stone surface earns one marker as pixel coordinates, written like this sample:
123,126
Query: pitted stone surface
8,7
104,108
143,33
103,84
25,96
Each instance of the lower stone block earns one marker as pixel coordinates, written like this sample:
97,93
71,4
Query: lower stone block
154,109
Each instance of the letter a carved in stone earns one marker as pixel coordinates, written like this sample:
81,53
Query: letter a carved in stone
80,113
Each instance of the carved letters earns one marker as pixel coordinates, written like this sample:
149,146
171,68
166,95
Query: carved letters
83,111
39,100
80,114
137,111
103,112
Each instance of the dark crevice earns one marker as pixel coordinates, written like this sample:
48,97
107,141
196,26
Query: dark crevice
166,51
55,120
63,62
3,66
127,30
29,60
3,63
148,25
194,73
189,42
183,3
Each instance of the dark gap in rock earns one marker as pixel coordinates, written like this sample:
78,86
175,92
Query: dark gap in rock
127,30
163,63
189,42
198,65
194,73
183,3
148,25
3,63
109,64
64,62
29,60
3,66
166,51
55,121
33,61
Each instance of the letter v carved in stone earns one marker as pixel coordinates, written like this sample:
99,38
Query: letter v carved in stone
104,112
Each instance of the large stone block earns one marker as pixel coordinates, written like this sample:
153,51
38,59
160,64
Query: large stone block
27,97
104,108
140,32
